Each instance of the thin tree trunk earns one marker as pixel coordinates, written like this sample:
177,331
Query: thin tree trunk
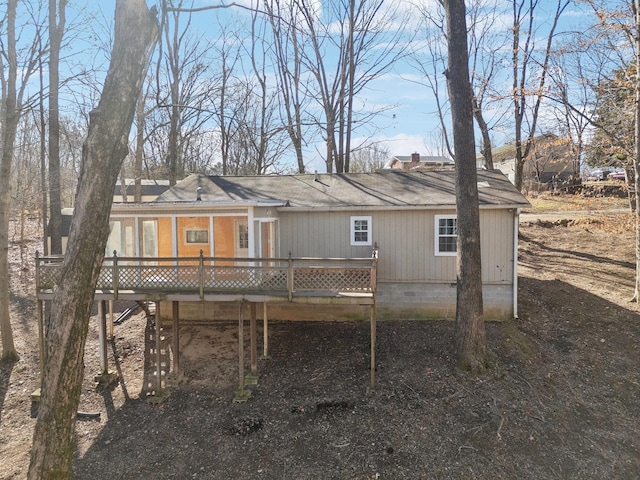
470,340
104,150
9,116
44,186
636,148
56,30
137,166
487,149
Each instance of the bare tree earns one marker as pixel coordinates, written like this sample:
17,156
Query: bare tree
470,341
14,62
357,36
225,113
487,46
287,50
620,24
57,19
369,158
105,148
574,98
527,92
186,71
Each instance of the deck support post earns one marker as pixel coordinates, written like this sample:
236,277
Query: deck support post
252,378
41,336
111,318
242,394
372,383
35,396
105,378
158,333
102,335
265,332
175,342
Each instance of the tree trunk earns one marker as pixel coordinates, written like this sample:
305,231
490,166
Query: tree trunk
103,152
43,161
56,30
636,148
9,116
487,149
470,340
137,165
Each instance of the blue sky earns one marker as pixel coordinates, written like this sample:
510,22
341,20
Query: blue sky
409,123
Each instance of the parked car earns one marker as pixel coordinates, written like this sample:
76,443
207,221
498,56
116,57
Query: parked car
617,175
598,174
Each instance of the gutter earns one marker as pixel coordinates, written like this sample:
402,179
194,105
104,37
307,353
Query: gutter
369,208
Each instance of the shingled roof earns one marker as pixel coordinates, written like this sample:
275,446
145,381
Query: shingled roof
392,189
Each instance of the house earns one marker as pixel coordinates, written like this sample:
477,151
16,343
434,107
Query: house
409,216
414,161
306,247
551,158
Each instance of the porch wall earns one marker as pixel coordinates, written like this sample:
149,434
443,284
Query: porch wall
394,301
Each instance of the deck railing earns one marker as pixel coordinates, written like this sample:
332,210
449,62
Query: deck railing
274,276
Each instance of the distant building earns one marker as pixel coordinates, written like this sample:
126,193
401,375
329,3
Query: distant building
415,161
550,158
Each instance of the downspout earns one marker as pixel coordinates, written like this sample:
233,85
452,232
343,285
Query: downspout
516,224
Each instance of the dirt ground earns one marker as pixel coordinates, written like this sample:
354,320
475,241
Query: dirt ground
562,401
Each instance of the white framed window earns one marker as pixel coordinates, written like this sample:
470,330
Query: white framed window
243,235
446,235
360,231
197,236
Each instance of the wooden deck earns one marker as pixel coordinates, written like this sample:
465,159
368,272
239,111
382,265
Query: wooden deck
242,280
299,280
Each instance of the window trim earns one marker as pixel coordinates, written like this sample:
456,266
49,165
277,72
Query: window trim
359,243
196,232
437,235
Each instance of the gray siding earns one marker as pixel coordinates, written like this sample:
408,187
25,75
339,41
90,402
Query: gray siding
406,242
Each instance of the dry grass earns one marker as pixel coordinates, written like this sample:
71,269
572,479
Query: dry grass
546,202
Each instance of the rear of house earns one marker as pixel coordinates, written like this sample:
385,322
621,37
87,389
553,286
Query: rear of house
409,216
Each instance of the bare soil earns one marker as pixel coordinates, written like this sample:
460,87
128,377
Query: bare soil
562,401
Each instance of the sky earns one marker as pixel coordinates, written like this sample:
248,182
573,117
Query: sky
409,122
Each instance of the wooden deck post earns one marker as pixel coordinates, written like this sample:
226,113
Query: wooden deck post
242,394
40,304
176,340
372,384
265,331
102,336
252,378
158,332
111,315
36,395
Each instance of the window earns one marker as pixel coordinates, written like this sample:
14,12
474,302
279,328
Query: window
243,235
360,231
446,235
197,236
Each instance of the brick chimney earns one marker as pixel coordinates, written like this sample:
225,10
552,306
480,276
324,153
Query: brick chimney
415,158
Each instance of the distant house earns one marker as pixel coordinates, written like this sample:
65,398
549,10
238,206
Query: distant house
415,161
550,158
409,216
